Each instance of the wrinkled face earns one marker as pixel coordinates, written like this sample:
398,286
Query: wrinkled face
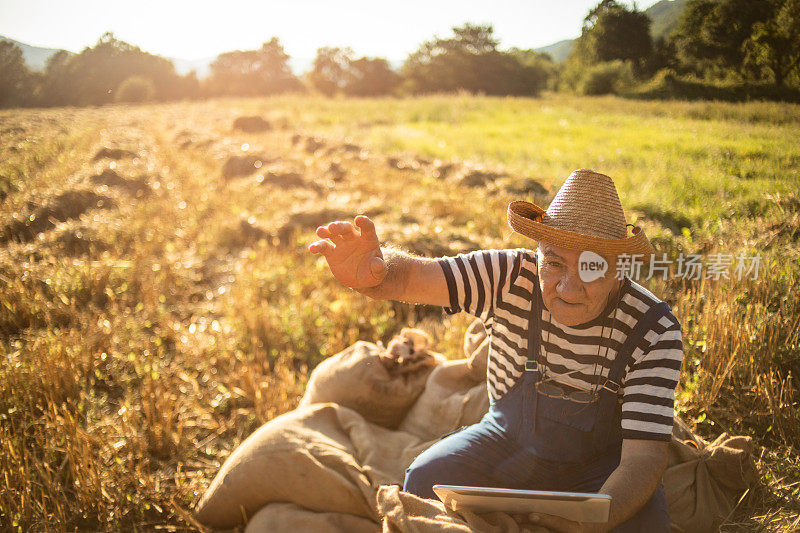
570,300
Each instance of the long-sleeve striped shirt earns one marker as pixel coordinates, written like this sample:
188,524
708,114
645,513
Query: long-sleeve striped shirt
497,287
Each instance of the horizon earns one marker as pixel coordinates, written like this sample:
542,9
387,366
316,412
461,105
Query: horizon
365,28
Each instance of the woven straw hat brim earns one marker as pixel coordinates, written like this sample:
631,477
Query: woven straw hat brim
523,218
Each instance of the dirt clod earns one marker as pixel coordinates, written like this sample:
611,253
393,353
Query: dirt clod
443,170
134,186
303,220
478,178
336,172
242,234
254,124
238,166
525,187
287,180
114,153
66,206
403,164
79,239
433,245
313,144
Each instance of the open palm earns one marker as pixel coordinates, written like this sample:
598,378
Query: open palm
353,254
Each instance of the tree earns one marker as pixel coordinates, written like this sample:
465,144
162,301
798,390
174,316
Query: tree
253,72
371,77
468,61
15,78
612,31
335,71
711,34
450,64
664,56
58,87
540,70
331,71
93,76
775,44
135,89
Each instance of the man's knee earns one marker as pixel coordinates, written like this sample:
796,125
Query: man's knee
459,458
423,474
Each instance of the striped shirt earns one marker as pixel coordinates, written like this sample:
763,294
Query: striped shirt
497,287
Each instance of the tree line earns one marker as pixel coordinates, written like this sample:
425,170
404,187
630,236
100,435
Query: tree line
750,44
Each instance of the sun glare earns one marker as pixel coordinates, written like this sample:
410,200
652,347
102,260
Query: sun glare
190,30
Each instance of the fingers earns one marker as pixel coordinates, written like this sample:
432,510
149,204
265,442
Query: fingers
325,233
321,247
554,523
339,230
366,226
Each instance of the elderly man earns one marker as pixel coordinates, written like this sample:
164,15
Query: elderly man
583,362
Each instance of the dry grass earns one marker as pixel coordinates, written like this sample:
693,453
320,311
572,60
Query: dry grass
143,339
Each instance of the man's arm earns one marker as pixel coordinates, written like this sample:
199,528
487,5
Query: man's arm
636,478
410,279
630,486
358,261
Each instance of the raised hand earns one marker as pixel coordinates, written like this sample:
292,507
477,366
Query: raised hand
353,255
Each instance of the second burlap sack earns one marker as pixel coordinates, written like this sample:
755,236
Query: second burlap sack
379,383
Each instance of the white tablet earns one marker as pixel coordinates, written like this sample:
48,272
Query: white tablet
577,506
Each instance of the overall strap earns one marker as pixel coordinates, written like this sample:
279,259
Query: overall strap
608,392
534,332
645,324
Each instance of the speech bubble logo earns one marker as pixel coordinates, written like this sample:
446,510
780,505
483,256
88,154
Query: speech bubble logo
591,266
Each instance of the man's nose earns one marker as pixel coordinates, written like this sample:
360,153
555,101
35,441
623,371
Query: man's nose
570,288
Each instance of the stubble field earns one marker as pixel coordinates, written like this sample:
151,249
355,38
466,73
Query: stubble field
158,302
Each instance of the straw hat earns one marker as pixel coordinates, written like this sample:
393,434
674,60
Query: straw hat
585,214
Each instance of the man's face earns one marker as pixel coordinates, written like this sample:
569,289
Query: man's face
570,300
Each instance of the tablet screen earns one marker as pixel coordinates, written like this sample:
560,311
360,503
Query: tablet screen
578,506
520,493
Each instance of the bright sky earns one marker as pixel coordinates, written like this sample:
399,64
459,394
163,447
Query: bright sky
201,28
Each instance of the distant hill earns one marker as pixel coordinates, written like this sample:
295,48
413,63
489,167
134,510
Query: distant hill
664,14
558,51
200,66
36,59
35,56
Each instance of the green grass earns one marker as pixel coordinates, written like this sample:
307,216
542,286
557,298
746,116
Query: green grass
702,160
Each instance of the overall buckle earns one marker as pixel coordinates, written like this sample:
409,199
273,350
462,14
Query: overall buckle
611,386
531,366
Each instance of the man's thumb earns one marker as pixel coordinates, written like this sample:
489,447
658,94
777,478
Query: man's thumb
377,267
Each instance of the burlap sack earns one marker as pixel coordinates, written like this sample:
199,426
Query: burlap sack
476,349
304,457
277,517
704,481
323,457
452,398
402,512
359,379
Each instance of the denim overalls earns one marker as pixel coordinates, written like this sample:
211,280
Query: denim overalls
528,440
